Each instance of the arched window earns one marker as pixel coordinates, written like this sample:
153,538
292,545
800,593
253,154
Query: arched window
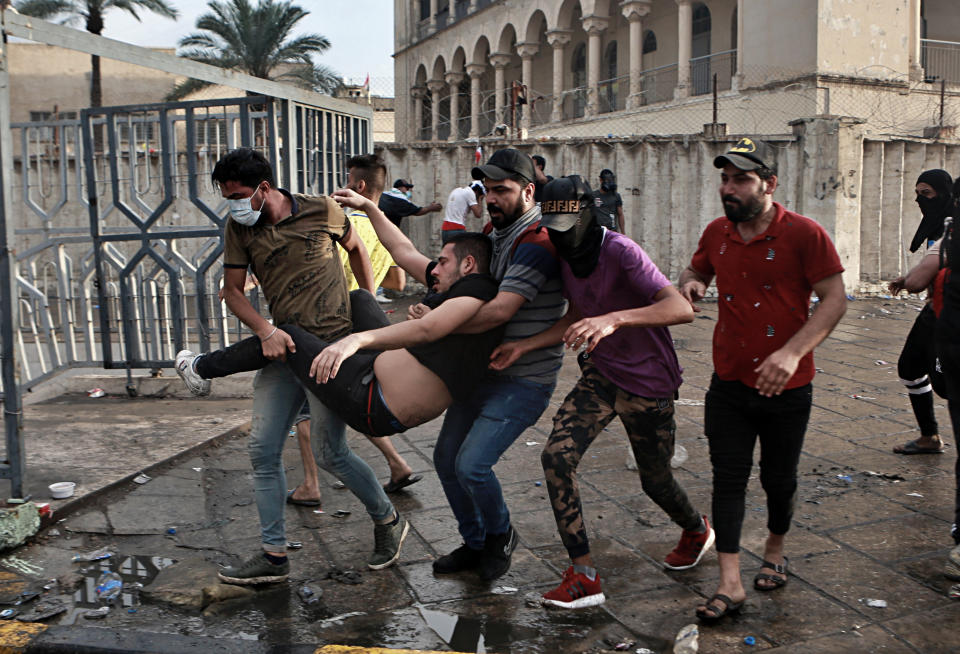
608,89
700,50
649,42
578,67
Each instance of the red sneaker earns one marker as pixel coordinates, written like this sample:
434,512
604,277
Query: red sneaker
576,591
690,549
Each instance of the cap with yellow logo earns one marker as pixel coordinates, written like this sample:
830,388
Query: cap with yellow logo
748,154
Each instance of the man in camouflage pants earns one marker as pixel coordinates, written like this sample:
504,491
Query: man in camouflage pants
620,307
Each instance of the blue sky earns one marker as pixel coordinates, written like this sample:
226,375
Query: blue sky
360,33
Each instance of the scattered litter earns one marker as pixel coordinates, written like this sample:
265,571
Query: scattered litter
845,478
18,564
389,311
686,640
532,443
131,610
108,586
680,456
623,647
338,619
351,577
171,530
750,640
538,483
6,614
643,650
294,545
340,513
43,508
504,590
53,532
914,495
216,421
319,511
953,594
819,369
881,362
861,397
141,479
875,603
96,392
95,555
62,489
197,469
683,402
309,595
26,596
338,485
43,610
97,614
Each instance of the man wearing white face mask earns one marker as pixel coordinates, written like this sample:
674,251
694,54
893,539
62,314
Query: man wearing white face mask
290,242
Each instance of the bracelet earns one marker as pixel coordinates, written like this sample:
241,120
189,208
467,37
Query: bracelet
269,336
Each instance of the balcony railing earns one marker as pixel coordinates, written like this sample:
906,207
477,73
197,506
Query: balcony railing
724,64
940,59
657,84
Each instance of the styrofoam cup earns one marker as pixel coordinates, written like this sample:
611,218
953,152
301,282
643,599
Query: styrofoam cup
62,489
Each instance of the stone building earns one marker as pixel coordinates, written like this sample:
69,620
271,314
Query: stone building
626,67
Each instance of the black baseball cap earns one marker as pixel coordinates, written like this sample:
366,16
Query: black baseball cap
402,182
506,163
748,154
563,200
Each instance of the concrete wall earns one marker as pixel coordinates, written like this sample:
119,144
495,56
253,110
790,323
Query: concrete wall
863,38
859,188
779,39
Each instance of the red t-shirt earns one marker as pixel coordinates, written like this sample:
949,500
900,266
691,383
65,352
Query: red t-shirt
763,289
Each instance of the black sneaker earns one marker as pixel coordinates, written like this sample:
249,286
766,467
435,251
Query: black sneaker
460,559
496,554
255,570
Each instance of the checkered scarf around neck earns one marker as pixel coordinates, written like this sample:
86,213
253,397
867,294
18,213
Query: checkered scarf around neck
503,240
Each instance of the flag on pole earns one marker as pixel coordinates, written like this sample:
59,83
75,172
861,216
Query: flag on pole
478,154
366,88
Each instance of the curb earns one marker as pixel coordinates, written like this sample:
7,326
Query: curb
35,638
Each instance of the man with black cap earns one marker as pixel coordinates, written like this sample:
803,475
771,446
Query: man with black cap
766,261
620,308
478,431
396,203
608,203
917,365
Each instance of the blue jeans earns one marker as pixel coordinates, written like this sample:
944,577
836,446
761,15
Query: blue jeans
277,398
475,433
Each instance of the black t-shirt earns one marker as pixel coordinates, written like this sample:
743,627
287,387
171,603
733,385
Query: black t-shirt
396,208
605,209
461,360
538,188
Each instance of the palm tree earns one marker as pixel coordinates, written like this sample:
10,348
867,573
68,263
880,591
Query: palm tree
91,12
254,40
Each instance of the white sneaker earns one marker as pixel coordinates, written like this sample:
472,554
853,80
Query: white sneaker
383,299
195,383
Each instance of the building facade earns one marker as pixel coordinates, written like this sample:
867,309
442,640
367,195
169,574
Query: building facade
560,68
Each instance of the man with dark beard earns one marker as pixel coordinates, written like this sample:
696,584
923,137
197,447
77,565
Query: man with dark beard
766,261
620,307
917,365
476,432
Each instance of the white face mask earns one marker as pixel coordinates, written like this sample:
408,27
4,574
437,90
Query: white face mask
241,210
409,194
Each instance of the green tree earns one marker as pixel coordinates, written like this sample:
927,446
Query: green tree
91,12
257,40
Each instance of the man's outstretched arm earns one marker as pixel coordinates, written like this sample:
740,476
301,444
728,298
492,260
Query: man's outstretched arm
398,245
438,323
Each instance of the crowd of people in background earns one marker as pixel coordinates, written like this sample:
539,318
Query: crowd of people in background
552,270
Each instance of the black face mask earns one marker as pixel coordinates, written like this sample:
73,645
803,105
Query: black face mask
608,183
580,245
934,209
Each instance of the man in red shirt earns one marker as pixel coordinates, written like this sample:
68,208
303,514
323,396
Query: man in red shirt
766,261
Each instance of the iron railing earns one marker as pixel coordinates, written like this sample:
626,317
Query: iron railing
940,59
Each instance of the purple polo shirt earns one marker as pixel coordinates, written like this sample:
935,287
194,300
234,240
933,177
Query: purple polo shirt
640,360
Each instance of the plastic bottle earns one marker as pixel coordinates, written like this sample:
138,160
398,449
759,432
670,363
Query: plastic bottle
109,586
679,456
687,640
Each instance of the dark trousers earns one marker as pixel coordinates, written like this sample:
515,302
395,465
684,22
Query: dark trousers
735,416
917,368
949,354
353,394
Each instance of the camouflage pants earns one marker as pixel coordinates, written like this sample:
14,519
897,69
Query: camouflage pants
587,409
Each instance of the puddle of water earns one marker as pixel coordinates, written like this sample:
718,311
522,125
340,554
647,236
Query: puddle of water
132,569
470,634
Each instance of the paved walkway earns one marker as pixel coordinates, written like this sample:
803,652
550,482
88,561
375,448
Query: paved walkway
869,525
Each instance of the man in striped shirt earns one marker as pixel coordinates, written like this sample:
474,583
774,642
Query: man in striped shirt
478,431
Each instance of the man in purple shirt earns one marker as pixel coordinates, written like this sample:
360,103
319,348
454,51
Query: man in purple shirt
620,307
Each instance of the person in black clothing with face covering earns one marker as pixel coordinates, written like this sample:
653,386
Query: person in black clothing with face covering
608,205
917,364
